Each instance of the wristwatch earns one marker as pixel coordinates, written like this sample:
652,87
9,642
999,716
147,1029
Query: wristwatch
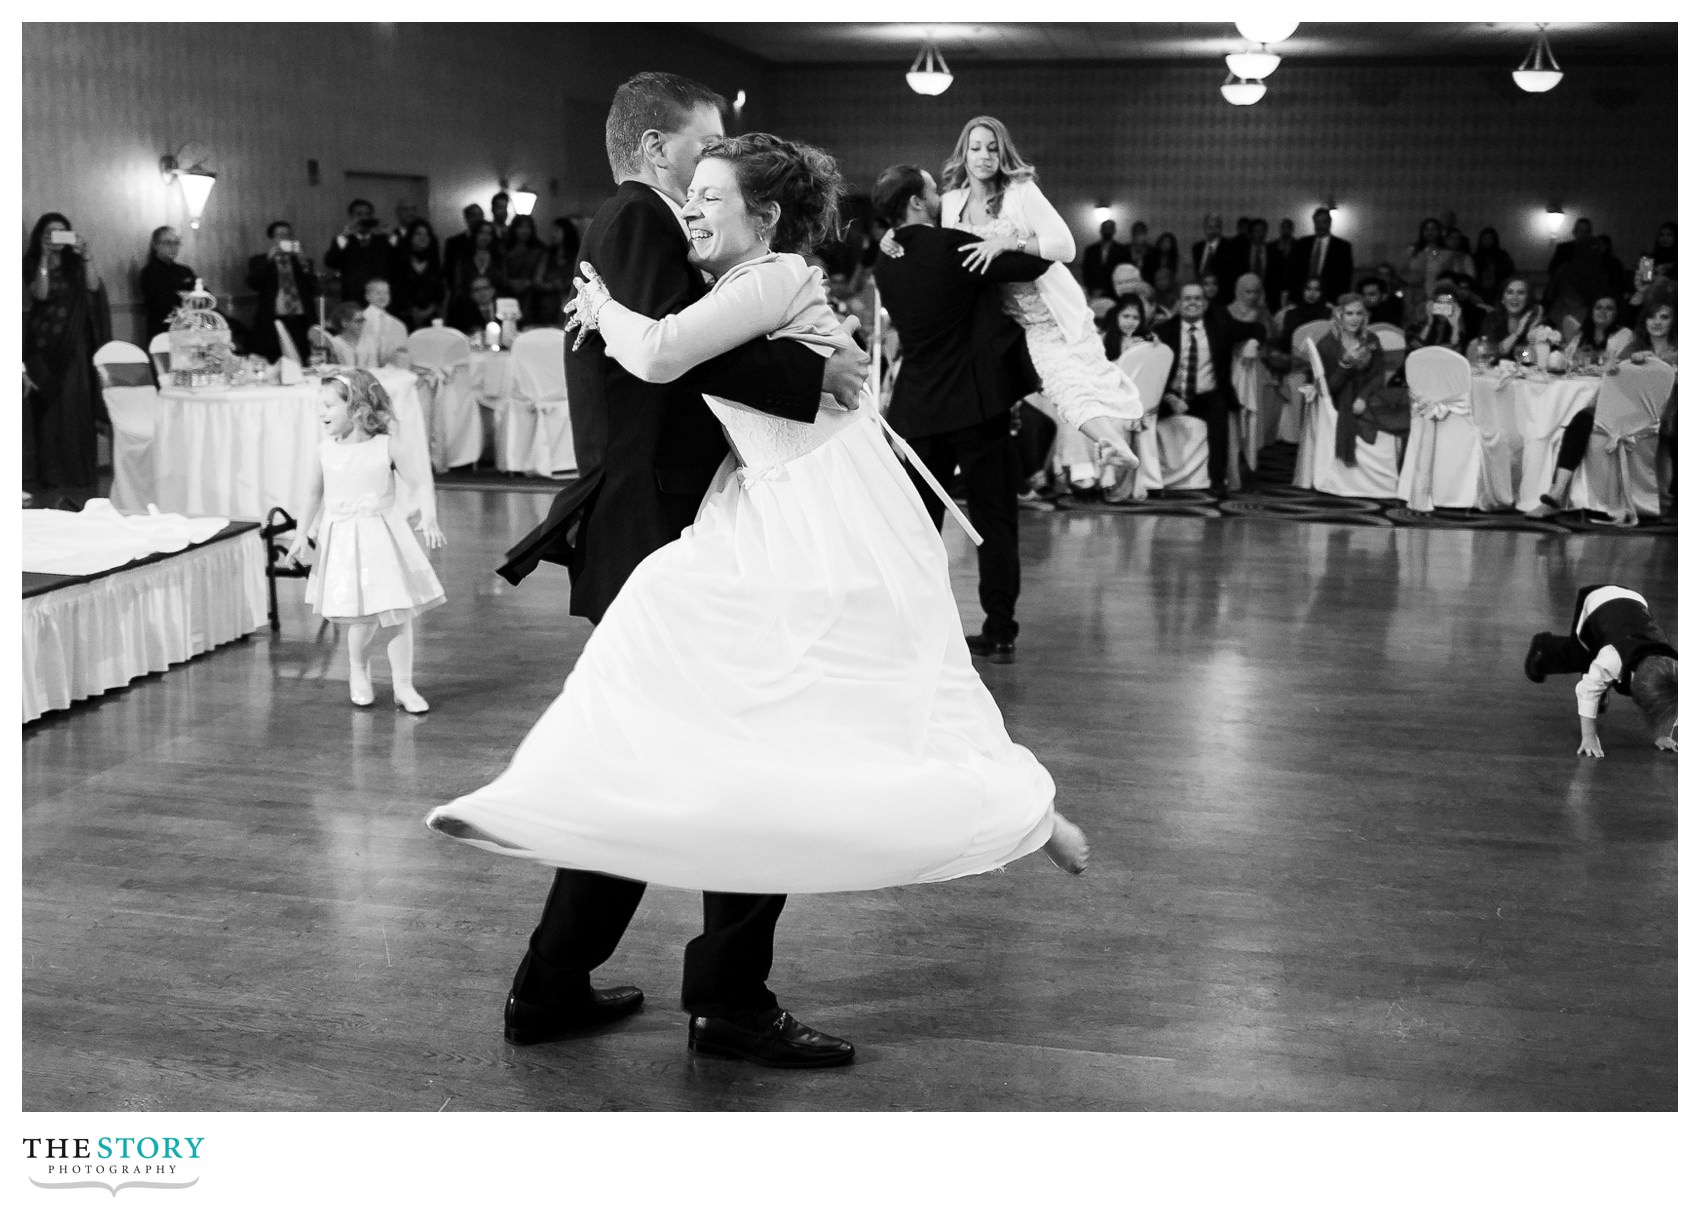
1021,244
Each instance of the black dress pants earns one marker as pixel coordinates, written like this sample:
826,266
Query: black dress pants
991,470
1214,409
586,913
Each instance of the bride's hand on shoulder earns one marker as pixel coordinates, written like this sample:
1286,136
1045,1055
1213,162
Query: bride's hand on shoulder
976,257
846,371
591,294
889,245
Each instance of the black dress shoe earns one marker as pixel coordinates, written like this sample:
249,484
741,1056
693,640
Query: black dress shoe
1532,660
774,1038
998,652
530,1023
1219,492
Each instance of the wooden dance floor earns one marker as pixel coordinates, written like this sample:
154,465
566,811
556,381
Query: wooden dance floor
1345,857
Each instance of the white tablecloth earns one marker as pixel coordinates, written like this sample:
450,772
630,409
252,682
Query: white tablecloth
492,377
1533,410
92,637
237,452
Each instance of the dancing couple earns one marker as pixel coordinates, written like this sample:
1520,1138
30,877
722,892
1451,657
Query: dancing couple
780,699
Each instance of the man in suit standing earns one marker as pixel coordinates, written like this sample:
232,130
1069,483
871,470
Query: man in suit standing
1258,262
458,247
285,289
1218,254
1281,252
1101,258
1582,237
964,368
1323,255
362,250
499,220
1202,380
647,454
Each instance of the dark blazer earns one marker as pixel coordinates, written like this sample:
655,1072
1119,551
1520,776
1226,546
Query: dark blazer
359,260
463,315
1227,264
161,281
964,360
647,452
1278,283
455,249
1223,332
1096,264
1336,267
262,280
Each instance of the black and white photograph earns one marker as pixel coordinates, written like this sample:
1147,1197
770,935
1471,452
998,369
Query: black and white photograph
862,567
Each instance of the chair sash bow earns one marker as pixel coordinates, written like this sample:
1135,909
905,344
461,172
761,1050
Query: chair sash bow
1439,408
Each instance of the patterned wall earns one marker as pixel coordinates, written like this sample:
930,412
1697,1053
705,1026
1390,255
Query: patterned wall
1390,143
462,105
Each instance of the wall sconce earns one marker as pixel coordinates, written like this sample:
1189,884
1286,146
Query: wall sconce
523,200
1555,218
1101,212
195,179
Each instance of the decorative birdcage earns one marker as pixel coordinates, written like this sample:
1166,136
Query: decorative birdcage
200,341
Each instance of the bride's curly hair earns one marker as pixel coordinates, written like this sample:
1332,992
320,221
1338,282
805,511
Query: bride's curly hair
803,180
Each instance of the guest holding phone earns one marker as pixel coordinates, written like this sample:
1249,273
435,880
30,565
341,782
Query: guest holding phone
65,321
1443,322
285,289
361,250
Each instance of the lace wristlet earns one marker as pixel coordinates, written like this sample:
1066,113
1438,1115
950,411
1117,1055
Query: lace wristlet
582,310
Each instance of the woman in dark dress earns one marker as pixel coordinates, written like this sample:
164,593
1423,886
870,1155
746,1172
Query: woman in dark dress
165,280
66,322
419,286
1493,264
483,259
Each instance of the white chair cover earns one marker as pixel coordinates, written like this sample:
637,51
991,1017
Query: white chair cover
535,434
442,357
1443,459
159,350
1377,471
1292,423
1391,336
1148,365
1245,429
1619,475
134,412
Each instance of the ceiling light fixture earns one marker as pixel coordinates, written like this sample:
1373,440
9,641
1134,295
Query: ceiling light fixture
1266,30
1236,91
1539,71
929,75
1259,64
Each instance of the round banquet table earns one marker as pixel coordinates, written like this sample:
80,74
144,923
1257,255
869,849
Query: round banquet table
237,452
1532,409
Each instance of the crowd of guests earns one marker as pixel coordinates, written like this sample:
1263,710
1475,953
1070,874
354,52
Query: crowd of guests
1445,290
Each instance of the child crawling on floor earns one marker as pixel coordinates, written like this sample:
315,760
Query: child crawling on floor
1613,642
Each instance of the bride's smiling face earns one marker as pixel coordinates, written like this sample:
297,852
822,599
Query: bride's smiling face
722,230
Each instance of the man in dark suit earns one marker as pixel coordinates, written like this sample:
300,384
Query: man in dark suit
364,249
1582,237
1202,381
1280,253
469,313
964,368
1224,256
1101,258
1322,255
285,289
647,454
458,247
1259,263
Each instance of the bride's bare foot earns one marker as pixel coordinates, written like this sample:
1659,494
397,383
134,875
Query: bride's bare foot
1067,846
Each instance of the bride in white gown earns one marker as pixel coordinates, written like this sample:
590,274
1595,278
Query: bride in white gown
781,700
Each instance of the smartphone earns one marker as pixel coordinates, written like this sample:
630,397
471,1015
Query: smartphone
1644,271
369,224
61,237
289,246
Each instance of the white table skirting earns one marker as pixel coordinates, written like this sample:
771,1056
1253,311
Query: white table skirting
86,639
237,452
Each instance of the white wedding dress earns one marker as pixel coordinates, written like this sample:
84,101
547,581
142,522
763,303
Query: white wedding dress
781,700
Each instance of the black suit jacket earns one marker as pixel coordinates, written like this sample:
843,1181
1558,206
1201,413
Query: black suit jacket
464,315
647,452
359,260
964,360
1228,263
1277,286
262,280
1336,267
1223,333
1097,263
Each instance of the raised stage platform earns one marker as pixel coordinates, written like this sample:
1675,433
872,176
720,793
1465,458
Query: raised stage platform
85,633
